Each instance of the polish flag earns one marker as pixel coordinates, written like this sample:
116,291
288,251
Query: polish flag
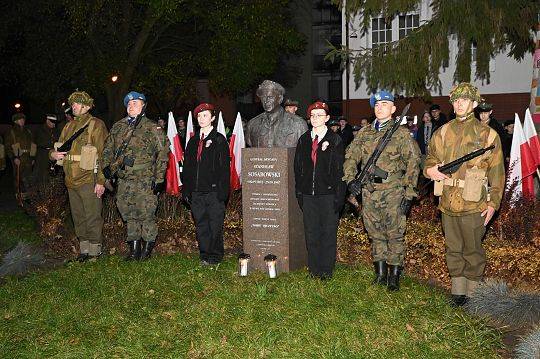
190,132
221,125
522,165
176,155
235,147
532,137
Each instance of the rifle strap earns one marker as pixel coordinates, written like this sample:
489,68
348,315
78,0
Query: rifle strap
90,130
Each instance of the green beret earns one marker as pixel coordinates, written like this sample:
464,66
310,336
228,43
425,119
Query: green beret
18,116
465,90
81,97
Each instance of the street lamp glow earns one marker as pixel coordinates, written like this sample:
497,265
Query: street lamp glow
114,78
17,105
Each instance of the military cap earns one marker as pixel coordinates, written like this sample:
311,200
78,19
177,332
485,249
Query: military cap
434,107
51,117
203,107
485,107
18,116
81,97
134,95
333,122
318,105
382,95
289,102
465,90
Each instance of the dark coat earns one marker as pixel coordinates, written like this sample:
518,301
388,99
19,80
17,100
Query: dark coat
329,167
211,173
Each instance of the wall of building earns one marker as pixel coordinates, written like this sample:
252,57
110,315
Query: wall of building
509,86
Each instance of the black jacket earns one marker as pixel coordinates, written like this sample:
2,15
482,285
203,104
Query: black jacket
329,168
211,174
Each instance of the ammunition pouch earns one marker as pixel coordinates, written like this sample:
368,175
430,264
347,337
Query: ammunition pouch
33,150
475,179
88,158
56,146
388,178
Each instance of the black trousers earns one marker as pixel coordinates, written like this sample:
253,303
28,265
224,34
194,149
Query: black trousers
209,215
320,227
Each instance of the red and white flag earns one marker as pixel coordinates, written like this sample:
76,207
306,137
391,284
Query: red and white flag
190,132
221,125
522,165
236,144
176,155
532,137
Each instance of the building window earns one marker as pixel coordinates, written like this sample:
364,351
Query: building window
381,31
408,23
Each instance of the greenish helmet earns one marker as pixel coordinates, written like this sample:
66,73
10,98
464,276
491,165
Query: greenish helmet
81,97
465,90
18,116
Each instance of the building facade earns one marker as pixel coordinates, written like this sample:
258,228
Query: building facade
509,88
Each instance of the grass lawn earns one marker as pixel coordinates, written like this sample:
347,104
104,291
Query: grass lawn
16,227
170,307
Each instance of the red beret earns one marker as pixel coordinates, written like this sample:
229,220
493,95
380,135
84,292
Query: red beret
203,107
317,105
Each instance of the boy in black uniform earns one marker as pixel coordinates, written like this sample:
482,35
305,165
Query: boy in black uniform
318,169
206,184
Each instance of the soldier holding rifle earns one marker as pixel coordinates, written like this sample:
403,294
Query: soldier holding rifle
466,204
387,184
84,180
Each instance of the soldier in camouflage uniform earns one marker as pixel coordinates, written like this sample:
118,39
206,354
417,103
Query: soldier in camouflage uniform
85,186
142,176
45,137
465,216
384,209
21,150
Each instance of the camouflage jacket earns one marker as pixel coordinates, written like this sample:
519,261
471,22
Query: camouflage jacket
400,158
462,137
147,148
23,137
75,176
283,131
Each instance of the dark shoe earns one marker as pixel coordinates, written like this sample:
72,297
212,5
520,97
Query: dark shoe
83,257
147,249
134,250
393,277
381,273
458,300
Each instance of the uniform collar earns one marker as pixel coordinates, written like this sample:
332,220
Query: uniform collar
321,135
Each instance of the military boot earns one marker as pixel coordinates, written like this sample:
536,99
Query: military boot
393,277
147,249
381,273
134,250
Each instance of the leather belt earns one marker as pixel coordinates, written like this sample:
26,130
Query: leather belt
454,182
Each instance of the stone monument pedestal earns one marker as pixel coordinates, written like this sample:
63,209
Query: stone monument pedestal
272,220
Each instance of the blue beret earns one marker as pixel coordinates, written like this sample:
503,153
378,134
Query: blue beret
382,95
134,95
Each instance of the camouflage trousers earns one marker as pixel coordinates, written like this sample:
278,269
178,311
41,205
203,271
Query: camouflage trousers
385,224
137,204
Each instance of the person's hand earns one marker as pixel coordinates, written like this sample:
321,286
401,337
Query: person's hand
99,190
405,206
58,155
17,162
352,200
435,174
488,213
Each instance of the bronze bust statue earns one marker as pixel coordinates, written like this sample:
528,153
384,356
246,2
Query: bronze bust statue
274,127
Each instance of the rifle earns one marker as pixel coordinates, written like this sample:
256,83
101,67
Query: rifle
371,170
66,147
120,161
19,194
453,166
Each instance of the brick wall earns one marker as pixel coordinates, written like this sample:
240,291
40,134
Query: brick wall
504,106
